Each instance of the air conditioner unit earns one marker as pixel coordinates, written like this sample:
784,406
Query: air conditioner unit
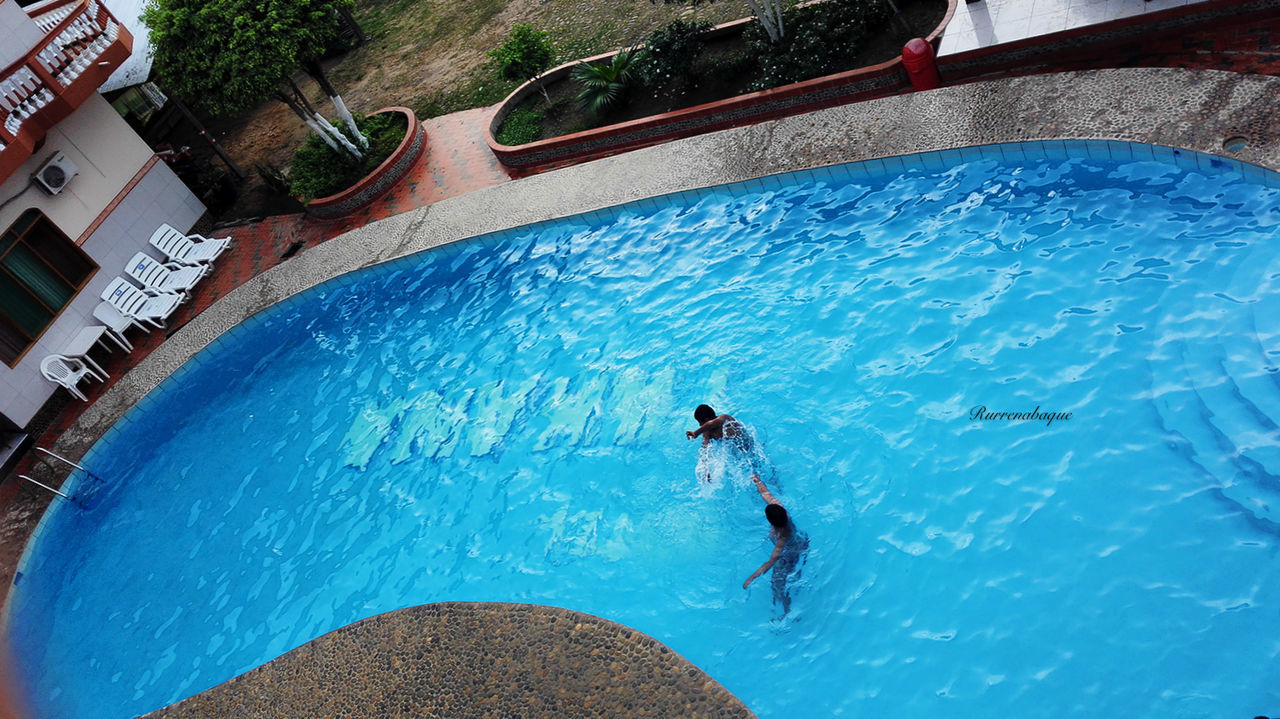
55,173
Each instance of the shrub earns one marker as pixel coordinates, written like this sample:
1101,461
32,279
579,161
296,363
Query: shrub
522,125
729,69
605,84
824,38
525,55
670,52
318,171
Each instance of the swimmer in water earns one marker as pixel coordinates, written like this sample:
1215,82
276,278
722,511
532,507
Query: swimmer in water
789,547
712,426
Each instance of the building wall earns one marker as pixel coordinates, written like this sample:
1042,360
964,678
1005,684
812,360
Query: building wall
115,168
107,154
17,33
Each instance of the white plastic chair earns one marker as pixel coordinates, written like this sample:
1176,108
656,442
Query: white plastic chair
159,278
188,250
138,305
116,324
67,372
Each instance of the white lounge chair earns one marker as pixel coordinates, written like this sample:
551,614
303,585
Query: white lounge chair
138,305
67,372
159,278
188,250
116,324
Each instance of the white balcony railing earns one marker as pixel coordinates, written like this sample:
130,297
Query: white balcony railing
76,36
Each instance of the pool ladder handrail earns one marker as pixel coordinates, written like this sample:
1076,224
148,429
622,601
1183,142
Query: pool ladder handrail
65,461
44,486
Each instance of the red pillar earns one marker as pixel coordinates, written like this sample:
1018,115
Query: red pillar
921,64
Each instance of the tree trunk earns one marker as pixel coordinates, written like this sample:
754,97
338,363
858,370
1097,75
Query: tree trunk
320,120
213,142
334,139
282,96
351,23
314,69
769,13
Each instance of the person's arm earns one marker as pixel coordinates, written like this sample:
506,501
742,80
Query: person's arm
777,552
707,426
763,490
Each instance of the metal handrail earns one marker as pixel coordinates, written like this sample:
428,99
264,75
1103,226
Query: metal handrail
62,459
68,462
44,486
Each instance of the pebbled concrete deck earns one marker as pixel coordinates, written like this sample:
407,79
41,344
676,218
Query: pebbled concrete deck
1194,110
425,661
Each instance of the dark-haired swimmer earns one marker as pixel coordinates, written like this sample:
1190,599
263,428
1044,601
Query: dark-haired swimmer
789,547
713,426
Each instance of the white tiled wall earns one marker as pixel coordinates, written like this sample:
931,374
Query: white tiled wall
18,33
991,22
158,198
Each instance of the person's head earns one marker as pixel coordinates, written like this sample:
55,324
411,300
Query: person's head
776,515
703,413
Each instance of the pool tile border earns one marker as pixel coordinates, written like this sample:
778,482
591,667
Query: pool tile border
1183,116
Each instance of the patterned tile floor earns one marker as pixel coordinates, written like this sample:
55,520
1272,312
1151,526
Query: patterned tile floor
992,22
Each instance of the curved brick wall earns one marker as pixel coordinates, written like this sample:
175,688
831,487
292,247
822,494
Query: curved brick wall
863,83
391,171
470,659
1233,35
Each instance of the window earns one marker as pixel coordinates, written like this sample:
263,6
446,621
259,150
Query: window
40,271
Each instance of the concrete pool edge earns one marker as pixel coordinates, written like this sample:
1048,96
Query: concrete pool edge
472,659
1195,110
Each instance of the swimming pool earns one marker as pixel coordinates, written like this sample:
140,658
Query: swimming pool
502,420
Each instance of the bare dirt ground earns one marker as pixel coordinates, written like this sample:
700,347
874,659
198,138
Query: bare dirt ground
432,56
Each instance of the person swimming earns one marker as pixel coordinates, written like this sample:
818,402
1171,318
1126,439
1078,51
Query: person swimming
712,426
741,448
790,547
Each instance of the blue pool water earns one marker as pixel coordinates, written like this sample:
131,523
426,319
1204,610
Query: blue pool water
503,420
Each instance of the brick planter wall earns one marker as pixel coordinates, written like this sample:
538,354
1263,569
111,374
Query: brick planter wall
1238,35
841,88
383,178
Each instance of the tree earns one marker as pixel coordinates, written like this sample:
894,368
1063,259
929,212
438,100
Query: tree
525,55
228,55
604,84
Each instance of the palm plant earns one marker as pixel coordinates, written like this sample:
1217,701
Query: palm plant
605,84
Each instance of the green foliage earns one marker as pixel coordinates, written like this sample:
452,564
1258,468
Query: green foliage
524,55
227,55
378,19
318,171
605,84
729,69
670,52
521,126
823,38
